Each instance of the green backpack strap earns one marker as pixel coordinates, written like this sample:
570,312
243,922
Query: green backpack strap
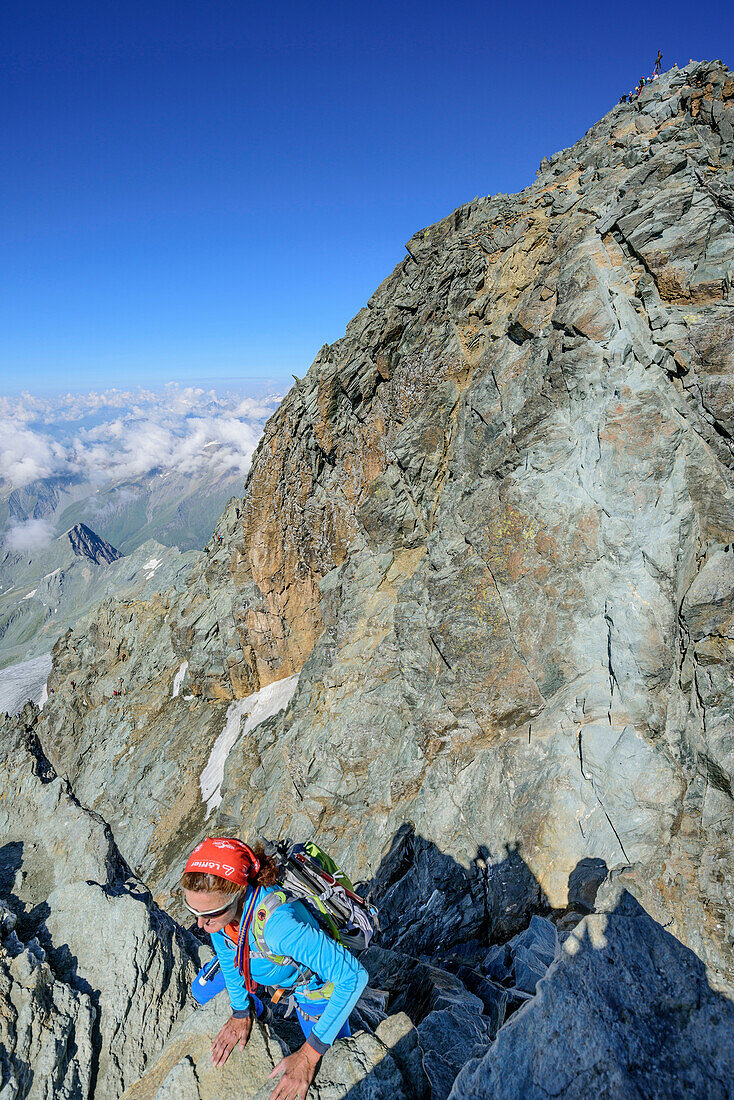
260,918
264,912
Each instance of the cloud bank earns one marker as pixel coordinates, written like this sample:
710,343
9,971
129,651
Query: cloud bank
114,434
26,455
29,537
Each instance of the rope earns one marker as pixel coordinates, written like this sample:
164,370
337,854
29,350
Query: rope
242,958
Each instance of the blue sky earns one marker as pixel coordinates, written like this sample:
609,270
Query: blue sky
210,189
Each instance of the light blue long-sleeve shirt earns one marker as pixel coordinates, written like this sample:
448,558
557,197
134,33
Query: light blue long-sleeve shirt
292,930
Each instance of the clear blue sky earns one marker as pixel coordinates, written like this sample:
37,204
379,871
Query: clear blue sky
208,189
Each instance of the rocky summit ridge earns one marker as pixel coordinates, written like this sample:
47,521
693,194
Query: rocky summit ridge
484,553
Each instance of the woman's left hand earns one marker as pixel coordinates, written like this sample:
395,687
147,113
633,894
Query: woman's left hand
299,1069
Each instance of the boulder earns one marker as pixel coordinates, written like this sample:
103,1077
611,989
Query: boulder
183,1069
532,952
360,1068
451,1023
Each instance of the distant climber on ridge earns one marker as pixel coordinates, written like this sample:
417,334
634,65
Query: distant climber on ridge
231,890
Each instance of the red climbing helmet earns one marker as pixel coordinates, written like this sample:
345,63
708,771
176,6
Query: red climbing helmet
226,857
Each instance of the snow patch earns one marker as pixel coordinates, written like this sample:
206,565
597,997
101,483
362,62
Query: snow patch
24,681
29,594
48,575
178,679
257,707
151,566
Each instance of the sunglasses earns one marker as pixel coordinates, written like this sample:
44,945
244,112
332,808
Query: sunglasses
210,914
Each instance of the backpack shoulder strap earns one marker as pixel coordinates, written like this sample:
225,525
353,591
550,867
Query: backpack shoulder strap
261,916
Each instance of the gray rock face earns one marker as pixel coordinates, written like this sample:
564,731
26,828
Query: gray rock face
625,1010
532,952
183,1071
46,1026
451,1022
361,1068
92,976
470,530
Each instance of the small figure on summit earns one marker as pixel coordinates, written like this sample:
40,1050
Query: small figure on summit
232,891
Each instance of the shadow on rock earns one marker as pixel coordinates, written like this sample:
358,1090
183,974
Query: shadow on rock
609,1002
588,1003
430,904
625,1010
22,885
24,877
430,971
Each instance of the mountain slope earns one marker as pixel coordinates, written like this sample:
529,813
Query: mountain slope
55,589
175,508
85,543
491,533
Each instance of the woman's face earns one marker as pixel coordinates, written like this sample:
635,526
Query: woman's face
221,908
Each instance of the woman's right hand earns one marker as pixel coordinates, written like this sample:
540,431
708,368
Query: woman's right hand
235,1031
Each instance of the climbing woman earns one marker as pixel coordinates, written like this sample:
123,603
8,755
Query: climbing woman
262,939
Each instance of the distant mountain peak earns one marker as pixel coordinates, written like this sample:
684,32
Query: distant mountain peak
86,543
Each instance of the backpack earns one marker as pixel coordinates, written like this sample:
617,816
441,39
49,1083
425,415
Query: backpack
309,875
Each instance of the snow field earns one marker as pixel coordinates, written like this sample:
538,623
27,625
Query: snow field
178,679
24,681
258,706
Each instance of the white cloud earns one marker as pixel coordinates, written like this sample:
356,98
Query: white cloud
29,537
128,433
26,455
